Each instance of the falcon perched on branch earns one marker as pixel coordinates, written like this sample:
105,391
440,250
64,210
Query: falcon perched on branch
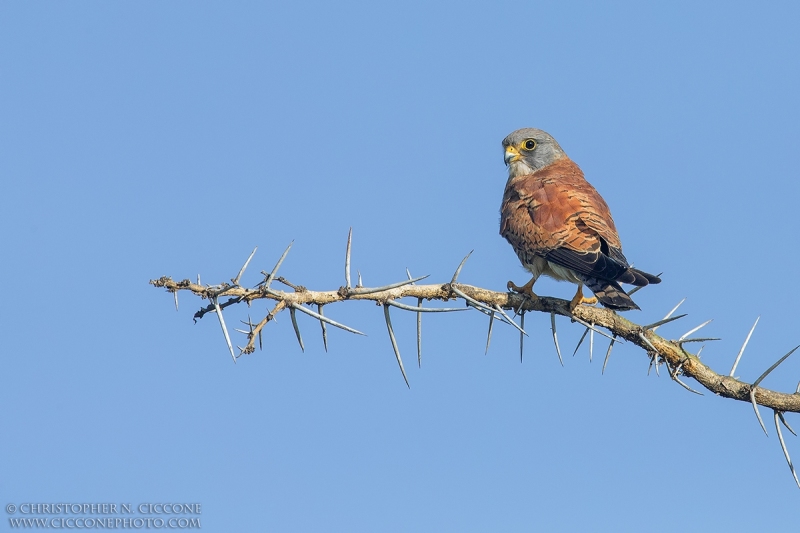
560,226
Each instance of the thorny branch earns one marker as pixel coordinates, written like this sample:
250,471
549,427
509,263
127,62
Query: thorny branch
660,350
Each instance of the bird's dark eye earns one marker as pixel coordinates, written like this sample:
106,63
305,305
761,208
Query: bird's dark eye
528,144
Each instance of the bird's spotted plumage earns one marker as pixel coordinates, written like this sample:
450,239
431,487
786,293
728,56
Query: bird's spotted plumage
559,225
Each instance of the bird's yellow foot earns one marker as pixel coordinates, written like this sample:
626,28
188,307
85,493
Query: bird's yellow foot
526,290
578,299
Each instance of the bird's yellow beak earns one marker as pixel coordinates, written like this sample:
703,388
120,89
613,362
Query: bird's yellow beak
511,155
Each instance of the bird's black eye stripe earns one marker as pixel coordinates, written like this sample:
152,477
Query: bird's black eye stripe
529,144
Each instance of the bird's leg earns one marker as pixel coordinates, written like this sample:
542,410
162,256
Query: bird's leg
578,299
525,290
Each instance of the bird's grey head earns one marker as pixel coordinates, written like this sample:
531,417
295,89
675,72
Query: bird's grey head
528,150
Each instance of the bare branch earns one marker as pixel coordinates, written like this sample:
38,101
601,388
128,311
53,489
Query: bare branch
672,352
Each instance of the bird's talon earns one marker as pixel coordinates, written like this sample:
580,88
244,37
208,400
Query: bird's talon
579,299
525,290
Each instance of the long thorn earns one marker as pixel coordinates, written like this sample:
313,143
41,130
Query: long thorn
674,376
347,259
296,328
672,311
405,307
394,343
785,423
521,336
695,329
370,290
585,332
508,318
647,341
475,303
489,335
773,367
419,334
741,351
590,326
324,329
655,325
485,309
176,299
785,450
555,337
224,327
244,267
608,354
323,318
700,339
277,266
591,344
755,408
687,387
460,266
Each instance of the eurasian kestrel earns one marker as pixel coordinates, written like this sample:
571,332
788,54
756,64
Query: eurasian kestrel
560,226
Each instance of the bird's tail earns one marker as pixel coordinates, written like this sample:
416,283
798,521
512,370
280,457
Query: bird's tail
610,294
637,277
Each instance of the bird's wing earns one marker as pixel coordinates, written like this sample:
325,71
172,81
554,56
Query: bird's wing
555,213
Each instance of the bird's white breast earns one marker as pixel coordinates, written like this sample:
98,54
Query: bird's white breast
541,266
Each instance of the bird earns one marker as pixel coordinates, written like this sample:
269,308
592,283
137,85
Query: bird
560,226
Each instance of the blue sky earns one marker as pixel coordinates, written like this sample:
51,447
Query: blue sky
147,139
